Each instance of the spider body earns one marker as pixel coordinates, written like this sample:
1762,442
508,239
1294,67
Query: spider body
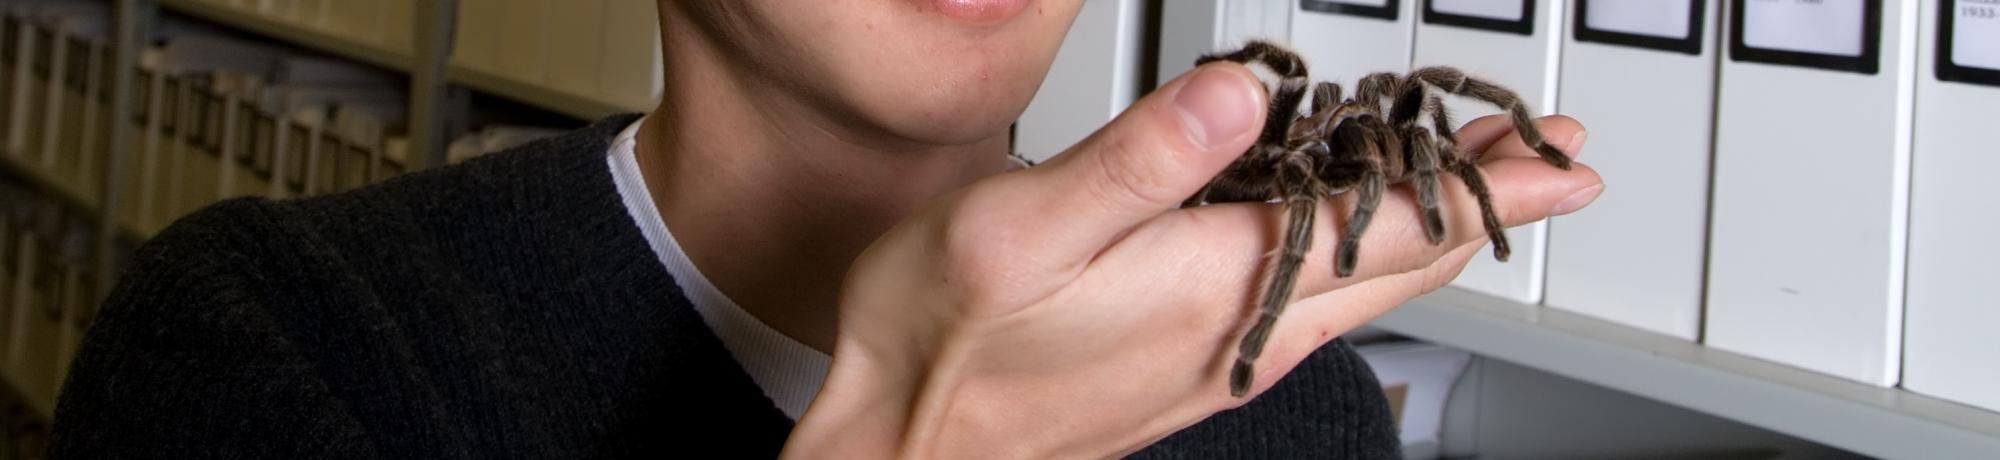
1352,145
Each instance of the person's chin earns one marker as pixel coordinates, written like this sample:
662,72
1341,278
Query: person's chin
974,12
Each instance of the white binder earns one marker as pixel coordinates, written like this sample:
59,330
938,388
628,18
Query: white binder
1515,43
1344,40
1189,29
1811,186
1952,347
1094,77
1635,256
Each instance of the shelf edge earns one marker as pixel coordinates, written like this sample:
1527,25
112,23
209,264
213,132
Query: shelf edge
295,34
1882,422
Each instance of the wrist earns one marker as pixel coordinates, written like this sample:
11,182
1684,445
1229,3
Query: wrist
869,408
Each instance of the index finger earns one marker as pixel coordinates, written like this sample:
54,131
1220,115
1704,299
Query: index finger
1494,136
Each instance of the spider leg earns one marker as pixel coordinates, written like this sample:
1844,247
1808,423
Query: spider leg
1301,199
1246,179
1357,166
1456,82
1325,94
1443,151
1368,196
1375,87
1291,90
1424,162
1475,182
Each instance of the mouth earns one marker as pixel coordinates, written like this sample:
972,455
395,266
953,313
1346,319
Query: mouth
977,12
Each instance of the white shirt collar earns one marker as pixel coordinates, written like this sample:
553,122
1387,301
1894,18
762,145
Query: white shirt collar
789,372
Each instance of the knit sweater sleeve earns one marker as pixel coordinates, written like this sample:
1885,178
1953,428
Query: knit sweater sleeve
186,361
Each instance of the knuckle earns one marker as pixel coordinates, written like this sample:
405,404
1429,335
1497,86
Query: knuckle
1133,172
979,249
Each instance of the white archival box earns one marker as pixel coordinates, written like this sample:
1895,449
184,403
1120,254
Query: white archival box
1952,346
1640,74
1811,186
1094,77
1189,29
1344,40
1516,46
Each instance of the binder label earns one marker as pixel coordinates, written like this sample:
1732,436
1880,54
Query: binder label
1831,27
1489,9
1669,25
1652,18
1379,9
1511,16
1978,34
1829,34
1969,41
1373,3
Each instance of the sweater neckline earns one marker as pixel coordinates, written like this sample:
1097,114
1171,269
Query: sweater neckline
789,372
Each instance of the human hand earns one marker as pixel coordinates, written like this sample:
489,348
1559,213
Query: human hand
1070,310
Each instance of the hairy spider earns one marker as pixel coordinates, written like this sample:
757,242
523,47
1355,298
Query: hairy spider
1346,145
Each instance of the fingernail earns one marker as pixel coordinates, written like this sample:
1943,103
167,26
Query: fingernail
1577,200
1576,143
1216,106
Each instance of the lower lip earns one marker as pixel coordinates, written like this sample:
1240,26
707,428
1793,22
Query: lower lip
979,11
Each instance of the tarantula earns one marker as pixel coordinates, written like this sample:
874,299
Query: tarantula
1352,144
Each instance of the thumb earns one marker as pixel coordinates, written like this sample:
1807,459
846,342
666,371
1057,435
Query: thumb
1145,162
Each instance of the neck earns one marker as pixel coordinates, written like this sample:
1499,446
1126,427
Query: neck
772,196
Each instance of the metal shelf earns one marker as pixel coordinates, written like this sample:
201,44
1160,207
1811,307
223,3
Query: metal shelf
373,54
1881,422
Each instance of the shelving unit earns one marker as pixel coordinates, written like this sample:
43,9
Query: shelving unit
329,43
580,107
1883,422
1861,418
107,190
64,192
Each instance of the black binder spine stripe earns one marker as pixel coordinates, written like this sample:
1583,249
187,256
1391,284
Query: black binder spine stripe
1869,62
1948,70
1691,44
1388,11
1524,26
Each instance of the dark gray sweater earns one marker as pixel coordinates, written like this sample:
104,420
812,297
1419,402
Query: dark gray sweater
503,308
